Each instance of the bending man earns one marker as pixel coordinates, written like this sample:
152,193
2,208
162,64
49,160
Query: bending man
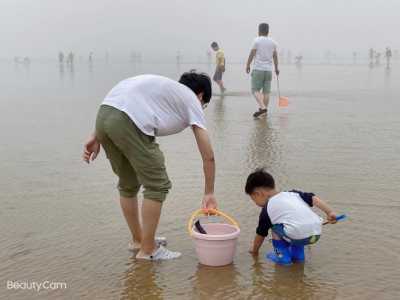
133,113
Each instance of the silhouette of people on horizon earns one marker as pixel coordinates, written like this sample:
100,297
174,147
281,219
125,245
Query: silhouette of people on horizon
388,56
371,57
60,57
70,58
298,61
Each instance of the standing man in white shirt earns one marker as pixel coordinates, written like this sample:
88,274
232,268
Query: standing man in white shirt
133,113
263,52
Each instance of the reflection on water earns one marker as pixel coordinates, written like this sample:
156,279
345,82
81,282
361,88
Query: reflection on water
140,281
209,282
61,70
263,145
279,282
339,137
387,81
90,66
71,71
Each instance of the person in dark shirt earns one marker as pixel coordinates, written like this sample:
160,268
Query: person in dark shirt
288,215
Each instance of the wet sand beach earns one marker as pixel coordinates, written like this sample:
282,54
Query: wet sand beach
61,221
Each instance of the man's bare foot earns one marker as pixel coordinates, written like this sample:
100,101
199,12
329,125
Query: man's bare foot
135,245
160,253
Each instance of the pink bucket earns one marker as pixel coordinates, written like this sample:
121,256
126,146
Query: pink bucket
218,246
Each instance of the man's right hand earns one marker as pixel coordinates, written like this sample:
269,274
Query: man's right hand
247,69
91,149
209,202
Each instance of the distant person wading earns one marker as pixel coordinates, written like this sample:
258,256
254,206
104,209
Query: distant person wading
263,51
220,66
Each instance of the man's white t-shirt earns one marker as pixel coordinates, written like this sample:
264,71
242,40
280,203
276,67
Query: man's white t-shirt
265,48
158,105
289,209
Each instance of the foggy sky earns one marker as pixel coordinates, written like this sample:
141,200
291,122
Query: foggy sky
40,28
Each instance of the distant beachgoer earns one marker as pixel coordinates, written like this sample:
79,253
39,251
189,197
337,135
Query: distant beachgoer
388,56
90,57
328,57
220,66
27,61
70,59
263,52
132,115
298,60
60,57
354,58
371,56
288,215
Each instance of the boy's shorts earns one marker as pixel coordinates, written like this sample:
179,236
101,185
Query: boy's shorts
134,156
261,80
218,74
279,230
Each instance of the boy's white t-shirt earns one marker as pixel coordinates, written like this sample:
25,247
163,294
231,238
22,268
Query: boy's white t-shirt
289,209
158,106
265,47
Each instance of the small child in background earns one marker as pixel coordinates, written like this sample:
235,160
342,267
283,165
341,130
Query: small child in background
288,214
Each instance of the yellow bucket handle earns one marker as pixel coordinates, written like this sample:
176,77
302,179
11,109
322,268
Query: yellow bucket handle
211,211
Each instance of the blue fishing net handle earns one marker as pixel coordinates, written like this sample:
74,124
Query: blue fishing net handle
341,217
338,218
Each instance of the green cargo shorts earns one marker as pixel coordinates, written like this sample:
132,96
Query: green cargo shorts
261,80
134,156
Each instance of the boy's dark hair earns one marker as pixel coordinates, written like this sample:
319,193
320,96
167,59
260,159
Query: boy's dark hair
259,178
198,83
214,45
263,28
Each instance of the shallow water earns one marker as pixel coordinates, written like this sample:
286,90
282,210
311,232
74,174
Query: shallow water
60,219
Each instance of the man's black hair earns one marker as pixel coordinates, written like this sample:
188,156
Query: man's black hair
259,178
198,83
214,45
263,28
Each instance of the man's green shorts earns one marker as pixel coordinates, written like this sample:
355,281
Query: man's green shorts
134,156
261,80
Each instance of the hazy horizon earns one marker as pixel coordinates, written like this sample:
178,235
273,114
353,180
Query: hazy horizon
161,28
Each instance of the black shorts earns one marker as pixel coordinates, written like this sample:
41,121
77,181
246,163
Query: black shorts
218,74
